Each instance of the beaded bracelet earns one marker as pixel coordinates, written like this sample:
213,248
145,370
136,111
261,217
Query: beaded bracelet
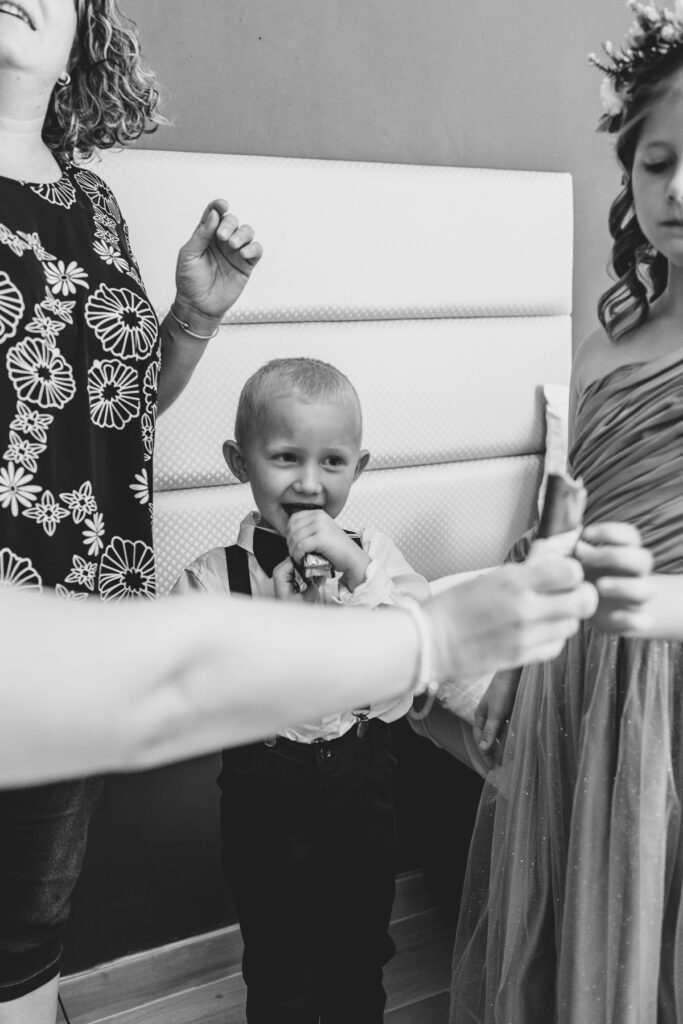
186,328
425,687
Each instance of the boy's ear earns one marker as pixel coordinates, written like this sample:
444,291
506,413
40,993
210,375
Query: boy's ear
236,461
362,463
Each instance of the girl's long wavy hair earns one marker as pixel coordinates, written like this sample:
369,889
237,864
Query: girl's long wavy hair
112,98
640,272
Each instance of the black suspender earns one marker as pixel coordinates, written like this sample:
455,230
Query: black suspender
237,561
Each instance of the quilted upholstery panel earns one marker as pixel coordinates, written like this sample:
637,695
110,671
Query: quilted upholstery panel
445,518
432,390
350,241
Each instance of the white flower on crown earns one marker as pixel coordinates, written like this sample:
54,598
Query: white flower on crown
612,101
669,33
635,36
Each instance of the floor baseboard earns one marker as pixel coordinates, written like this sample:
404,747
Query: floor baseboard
199,979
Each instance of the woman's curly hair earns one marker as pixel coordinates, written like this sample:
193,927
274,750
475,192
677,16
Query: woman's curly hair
640,272
112,98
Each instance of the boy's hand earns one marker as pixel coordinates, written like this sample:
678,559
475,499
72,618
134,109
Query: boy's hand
283,580
613,558
315,531
285,587
492,715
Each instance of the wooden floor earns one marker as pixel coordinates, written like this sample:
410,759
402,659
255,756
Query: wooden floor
199,982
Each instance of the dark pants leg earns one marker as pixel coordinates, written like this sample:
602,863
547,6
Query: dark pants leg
358,867
43,833
309,851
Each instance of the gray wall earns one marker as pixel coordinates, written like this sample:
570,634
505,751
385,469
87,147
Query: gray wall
458,82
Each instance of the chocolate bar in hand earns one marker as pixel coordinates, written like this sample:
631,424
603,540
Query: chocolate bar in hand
314,566
562,516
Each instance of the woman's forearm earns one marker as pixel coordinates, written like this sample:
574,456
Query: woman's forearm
150,684
180,355
92,688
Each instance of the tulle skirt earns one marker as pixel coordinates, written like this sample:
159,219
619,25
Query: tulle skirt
573,909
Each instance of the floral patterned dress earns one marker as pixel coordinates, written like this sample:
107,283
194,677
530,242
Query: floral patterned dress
78,389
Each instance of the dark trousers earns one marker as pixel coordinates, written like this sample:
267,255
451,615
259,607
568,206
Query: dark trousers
43,832
309,849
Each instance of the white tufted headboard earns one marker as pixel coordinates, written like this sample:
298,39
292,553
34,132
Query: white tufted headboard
443,293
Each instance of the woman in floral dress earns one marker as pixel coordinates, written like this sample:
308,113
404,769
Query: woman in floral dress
85,368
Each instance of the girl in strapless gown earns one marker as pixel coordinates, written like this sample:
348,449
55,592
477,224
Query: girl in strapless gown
573,903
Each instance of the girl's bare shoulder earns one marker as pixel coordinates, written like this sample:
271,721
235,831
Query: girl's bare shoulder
596,356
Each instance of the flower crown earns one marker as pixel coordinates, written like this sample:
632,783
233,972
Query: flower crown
653,36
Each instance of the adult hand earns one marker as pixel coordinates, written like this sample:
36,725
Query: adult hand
515,615
213,267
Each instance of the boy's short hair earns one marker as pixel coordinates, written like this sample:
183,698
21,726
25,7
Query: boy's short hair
307,379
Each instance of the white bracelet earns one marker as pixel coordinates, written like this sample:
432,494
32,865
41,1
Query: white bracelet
186,327
425,685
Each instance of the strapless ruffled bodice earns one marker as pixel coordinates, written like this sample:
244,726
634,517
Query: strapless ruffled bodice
629,453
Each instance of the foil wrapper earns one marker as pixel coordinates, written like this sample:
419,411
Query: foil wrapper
312,569
561,519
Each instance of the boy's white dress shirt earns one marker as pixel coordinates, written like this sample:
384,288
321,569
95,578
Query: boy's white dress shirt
388,581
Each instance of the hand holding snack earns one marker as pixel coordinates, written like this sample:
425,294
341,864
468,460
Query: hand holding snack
288,583
559,527
313,531
615,561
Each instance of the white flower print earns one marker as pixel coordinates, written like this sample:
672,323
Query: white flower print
141,487
113,393
33,242
61,309
81,502
105,222
40,374
70,595
82,572
147,426
126,570
23,451
123,321
47,512
98,193
108,251
65,279
45,326
11,307
150,385
16,244
16,488
31,422
93,533
59,193
18,572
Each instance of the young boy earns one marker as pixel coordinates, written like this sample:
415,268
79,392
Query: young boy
307,817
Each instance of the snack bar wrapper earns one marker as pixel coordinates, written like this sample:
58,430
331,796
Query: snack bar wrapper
313,569
561,517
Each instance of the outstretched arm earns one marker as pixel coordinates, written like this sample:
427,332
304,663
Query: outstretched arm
111,688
